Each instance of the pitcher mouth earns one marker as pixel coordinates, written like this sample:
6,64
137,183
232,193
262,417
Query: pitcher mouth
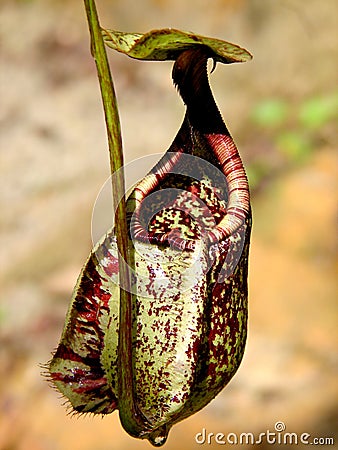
215,222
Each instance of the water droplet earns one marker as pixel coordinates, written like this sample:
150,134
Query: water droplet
159,436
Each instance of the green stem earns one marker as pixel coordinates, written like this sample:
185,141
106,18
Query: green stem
130,417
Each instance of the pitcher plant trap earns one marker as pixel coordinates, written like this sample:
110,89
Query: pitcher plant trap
157,324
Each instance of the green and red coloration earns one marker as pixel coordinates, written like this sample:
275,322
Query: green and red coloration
190,228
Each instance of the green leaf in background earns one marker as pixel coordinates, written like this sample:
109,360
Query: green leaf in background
317,111
168,43
2,315
294,145
256,172
270,112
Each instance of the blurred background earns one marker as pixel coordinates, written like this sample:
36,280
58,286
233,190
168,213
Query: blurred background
280,108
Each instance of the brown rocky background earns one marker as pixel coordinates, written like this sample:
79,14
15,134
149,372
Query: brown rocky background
53,161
